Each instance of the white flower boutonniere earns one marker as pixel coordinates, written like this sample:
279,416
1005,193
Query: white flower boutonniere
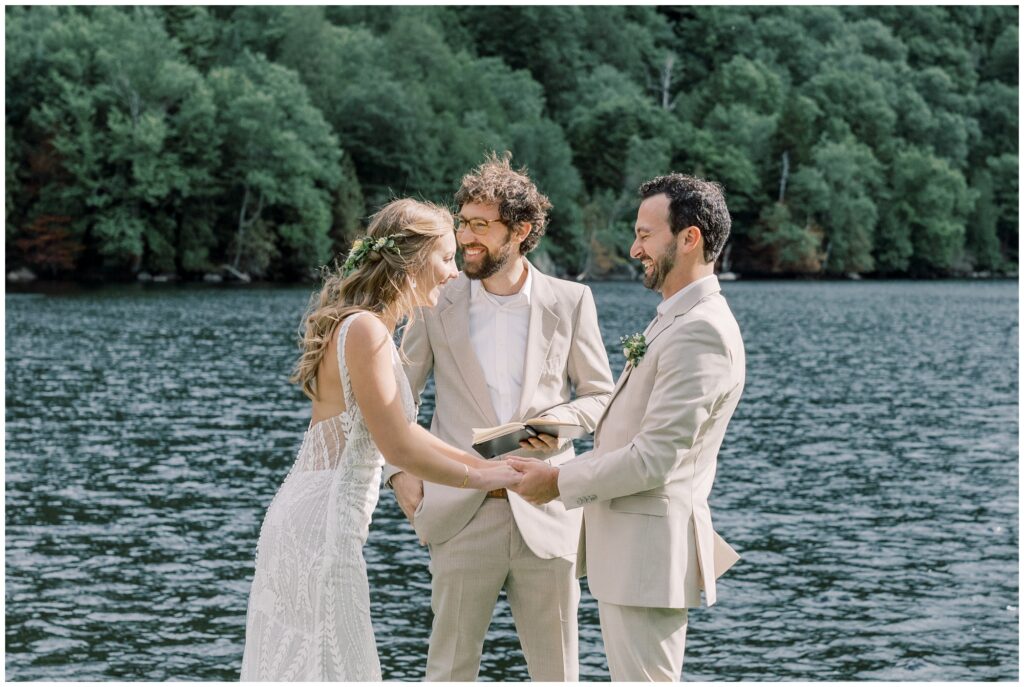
633,347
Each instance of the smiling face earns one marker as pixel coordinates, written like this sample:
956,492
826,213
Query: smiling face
487,253
439,269
655,245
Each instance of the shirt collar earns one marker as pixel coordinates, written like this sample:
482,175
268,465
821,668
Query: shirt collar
667,304
477,290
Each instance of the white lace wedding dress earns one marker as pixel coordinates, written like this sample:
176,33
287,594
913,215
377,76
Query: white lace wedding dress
309,608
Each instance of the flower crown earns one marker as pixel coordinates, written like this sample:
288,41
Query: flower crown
363,247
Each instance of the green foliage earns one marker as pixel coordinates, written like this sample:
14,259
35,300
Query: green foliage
610,113
924,220
982,240
1004,170
12,187
281,164
178,138
839,193
130,125
788,245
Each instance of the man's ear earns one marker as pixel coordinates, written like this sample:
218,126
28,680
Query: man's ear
689,239
522,231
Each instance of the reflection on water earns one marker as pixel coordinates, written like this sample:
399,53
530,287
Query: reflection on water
869,478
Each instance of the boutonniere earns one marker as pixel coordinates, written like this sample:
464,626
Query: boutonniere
633,347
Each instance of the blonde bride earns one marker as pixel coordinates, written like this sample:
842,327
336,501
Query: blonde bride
309,607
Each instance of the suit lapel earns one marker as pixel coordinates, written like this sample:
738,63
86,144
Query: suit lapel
455,321
543,322
621,381
615,392
688,301
686,304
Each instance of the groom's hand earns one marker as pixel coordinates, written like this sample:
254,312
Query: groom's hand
540,480
408,492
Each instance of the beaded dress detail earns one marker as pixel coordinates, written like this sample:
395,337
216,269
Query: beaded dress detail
309,608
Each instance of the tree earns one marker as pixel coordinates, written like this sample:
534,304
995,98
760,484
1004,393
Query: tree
982,239
281,165
790,247
48,246
1004,170
196,30
839,193
175,138
1002,59
925,214
12,188
129,124
544,41
610,113
541,146
860,103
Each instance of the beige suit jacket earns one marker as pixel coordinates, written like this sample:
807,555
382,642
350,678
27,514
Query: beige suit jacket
648,537
564,351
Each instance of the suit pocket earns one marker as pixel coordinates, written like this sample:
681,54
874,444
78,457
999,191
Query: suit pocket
417,521
642,505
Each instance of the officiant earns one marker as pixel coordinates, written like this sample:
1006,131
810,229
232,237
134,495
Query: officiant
505,343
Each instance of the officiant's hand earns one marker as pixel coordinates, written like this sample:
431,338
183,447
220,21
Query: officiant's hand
540,480
408,493
541,442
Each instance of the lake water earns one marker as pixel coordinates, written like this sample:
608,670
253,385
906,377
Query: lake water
869,479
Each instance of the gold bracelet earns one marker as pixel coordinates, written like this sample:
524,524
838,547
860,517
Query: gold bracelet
465,481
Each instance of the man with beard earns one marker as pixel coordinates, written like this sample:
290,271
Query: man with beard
649,547
505,343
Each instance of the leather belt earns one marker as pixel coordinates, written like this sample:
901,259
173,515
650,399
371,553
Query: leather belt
498,494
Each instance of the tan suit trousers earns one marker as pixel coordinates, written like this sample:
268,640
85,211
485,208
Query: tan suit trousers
469,571
643,644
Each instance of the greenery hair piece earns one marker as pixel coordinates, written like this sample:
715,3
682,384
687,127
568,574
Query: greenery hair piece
361,249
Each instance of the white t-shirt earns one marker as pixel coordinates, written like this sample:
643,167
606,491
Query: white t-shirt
498,328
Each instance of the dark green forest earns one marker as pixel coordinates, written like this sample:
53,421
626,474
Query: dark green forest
175,140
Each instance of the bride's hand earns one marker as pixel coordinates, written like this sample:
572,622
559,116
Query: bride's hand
500,476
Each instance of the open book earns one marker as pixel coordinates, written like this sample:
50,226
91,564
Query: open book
494,441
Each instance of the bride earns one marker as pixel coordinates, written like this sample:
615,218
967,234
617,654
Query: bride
309,607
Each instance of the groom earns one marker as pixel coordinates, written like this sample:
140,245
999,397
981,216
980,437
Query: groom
505,343
648,541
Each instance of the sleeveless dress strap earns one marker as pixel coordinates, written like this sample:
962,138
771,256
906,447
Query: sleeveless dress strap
346,382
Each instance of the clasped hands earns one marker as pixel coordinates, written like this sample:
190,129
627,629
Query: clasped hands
539,483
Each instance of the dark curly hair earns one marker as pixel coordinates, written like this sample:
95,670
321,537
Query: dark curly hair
517,198
697,203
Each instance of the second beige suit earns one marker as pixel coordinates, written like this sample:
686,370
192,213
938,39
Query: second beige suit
649,547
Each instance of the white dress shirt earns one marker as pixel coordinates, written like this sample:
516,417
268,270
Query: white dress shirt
667,303
498,328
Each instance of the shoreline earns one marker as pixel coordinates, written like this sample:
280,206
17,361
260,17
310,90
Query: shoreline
44,286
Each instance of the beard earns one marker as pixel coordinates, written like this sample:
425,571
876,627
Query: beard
660,268
491,263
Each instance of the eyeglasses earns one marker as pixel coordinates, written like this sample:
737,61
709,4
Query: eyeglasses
477,225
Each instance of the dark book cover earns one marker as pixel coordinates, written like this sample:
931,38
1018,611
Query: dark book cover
507,443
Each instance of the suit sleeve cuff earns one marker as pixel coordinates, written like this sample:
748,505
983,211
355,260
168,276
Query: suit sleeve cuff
573,490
